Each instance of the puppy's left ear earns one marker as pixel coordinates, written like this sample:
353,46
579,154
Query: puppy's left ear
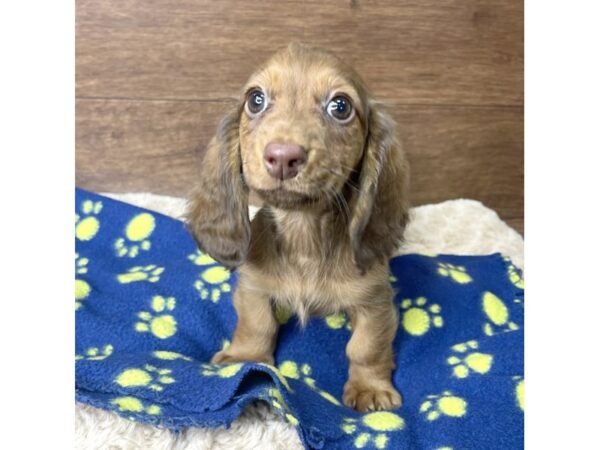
380,208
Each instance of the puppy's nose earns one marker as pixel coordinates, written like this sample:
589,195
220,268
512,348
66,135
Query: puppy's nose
283,161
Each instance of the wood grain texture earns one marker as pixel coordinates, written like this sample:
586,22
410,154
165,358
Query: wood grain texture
156,146
449,52
151,146
465,153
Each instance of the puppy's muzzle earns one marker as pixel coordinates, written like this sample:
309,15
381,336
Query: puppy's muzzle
284,161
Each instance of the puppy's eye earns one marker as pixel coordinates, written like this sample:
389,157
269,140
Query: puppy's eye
340,108
256,103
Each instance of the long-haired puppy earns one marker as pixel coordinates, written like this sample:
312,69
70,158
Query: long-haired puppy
310,140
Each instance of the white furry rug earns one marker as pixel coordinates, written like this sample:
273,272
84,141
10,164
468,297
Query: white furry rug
461,227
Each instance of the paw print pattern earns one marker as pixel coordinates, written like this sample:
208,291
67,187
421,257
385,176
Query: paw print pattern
150,377
132,404
372,429
201,259
96,354
81,265
82,287
520,392
82,291
466,361
170,356
497,315
149,273
445,404
213,281
225,344
457,273
282,314
337,321
162,326
87,224
290,369
514,274
417,317
278,402
278,374
137,232
221,371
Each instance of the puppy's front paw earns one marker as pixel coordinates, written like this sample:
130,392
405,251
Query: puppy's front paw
227,357
371,397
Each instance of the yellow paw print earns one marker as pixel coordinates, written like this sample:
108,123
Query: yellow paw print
149,377
456,273
225,344
132,404
497,314
201,259
520,392
96,354
468,361
170,356
282,314
82,291
213,281
290,369
445,404
372,428
514,275
278,374
337,321
417,318
86,224
220,370
81,264
278,402
149,273
162,326
82,288
137,232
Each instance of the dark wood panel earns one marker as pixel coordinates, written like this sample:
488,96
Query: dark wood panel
151,146
155,146
466,153
411,52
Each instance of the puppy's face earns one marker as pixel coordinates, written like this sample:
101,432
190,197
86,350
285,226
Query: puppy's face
302,129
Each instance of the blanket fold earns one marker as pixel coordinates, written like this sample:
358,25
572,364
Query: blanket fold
151,310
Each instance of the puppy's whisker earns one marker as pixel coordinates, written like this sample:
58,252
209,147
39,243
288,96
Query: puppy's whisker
352,186
339,174
344,203
348,168
339,201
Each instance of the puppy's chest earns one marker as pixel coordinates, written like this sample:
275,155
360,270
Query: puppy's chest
314,286
306,265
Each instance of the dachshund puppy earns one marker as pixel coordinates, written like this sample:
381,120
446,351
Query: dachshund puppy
309,139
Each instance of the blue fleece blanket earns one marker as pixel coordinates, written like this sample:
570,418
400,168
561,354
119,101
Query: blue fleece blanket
151,310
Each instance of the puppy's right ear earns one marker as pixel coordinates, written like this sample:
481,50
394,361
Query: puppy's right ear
217,213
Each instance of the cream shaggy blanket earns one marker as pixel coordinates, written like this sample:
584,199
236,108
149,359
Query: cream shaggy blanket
461,227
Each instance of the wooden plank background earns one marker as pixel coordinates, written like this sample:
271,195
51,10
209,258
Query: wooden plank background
153,77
